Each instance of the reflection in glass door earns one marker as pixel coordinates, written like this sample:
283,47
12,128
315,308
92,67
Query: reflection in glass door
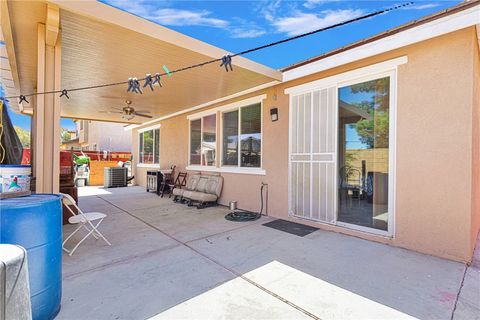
363,153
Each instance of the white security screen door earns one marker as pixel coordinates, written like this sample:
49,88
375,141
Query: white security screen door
312,164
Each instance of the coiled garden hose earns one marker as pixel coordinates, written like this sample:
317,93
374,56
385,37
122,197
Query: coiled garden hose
243,215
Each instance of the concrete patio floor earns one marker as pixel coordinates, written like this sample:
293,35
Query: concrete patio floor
169,261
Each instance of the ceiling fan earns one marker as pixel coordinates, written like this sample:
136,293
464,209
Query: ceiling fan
128,112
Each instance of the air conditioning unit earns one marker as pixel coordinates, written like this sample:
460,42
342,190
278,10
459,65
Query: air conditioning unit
115,177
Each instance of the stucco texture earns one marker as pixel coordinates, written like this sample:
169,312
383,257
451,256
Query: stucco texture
475,225
437,187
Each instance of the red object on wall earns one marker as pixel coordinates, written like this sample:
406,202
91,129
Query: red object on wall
26,156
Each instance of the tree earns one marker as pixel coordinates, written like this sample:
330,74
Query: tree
65,135
23,135
374,131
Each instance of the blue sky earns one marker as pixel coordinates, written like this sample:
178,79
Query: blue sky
239,25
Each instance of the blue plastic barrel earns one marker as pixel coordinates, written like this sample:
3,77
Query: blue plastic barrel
35,223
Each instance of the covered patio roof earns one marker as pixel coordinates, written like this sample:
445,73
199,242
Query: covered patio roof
102,44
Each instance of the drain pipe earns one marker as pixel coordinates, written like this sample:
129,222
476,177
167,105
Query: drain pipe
265,185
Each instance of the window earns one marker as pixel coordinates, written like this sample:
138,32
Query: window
363,157
149,146
203,142
242,137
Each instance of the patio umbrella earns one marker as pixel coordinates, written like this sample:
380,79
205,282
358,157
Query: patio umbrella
11,149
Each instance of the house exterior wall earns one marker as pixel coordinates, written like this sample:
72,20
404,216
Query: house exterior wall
434,166
475,225
105,136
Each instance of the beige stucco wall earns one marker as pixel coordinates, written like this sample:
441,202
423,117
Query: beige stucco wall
434,204
476,147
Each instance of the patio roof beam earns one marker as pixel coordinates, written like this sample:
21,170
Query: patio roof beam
52,24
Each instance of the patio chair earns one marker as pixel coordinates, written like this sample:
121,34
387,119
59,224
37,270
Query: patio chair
350,187
167,180
191,184
180,182
84,220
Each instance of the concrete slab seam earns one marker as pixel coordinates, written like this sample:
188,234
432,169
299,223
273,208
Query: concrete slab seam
306,312
459,291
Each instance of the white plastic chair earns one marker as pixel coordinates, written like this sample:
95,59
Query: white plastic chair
84,219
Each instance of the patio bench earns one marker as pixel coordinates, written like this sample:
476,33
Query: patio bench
203,189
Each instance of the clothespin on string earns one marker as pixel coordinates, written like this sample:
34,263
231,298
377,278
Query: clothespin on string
134,86
64,94
227,61
22,98
157,79
148,81
166,70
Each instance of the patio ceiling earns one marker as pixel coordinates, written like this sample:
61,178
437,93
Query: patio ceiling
5,71
6,63
101,44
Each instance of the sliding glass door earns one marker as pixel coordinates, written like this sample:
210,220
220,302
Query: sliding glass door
341,155
363,157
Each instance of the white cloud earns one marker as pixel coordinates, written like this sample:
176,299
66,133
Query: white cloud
177,17
246,33
422,6
157,12
269,9
310,4
301,22
139,8
169,16
242,28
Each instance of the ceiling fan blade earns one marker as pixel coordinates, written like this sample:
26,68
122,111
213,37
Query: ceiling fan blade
142,111
117,108
143,115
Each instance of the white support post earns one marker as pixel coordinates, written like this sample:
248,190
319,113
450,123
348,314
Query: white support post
46,157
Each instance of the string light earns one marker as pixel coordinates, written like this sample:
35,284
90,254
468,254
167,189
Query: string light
226,61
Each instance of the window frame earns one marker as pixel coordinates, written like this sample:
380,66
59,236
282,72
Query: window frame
200,117
219,123
151,128
392,74
239,130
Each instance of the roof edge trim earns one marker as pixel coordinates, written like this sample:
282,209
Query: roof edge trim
446,24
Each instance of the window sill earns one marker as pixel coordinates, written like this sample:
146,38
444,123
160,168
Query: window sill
238,170
148,165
